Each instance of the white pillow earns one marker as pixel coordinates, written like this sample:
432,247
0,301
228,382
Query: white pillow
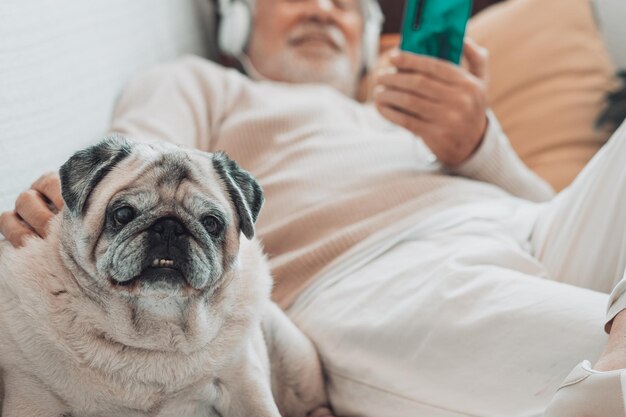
550,74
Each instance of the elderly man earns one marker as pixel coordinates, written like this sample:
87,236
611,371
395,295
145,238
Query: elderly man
406,239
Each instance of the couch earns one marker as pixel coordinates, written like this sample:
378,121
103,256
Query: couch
64,62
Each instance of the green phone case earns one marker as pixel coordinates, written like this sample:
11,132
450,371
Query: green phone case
435,27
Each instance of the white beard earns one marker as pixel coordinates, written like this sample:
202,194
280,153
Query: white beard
292,67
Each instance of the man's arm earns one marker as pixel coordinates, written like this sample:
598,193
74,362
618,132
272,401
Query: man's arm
496,162
447,107
181,102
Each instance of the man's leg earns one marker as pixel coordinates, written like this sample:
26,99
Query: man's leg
580,237
459,324
442,327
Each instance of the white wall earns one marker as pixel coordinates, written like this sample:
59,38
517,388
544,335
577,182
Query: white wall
62,65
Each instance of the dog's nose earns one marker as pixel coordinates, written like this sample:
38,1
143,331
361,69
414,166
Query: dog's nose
169,226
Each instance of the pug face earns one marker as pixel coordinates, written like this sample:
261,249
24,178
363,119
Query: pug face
155,221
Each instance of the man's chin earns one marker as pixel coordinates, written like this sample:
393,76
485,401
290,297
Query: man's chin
317,50
311,65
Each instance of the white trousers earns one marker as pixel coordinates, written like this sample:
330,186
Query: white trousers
485,318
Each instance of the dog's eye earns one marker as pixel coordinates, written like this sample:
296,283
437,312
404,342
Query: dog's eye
124,215
212,225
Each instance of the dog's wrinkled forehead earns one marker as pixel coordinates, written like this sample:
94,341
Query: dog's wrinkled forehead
170,169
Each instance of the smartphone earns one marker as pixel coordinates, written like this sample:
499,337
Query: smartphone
435,28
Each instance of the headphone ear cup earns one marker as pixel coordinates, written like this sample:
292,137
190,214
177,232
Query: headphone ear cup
374,19
371,38
234,28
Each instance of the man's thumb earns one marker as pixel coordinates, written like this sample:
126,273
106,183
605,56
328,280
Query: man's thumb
477,58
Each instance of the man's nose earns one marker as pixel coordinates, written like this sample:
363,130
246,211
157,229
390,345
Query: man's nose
324,5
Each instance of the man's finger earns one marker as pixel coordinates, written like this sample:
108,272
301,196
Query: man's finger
407,121
419,128
12,228
476,57
421,85
31,207
432,67
49,185
417,106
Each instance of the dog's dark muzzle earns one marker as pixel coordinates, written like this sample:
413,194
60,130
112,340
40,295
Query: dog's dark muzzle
167,258
168,250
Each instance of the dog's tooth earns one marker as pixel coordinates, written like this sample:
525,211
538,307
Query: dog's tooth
162,262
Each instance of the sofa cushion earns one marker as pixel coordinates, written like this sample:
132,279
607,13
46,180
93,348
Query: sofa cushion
550,73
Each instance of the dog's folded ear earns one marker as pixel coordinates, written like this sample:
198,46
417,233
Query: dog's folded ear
86,168
245,192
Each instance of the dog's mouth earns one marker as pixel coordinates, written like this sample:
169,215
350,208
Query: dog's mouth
161,273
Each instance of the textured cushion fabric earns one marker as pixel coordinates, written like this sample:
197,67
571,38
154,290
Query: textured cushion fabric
62,65
550,72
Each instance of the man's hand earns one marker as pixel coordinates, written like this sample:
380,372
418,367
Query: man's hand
33,210
443,104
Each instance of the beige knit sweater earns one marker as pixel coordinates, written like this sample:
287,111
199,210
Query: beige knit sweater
333,170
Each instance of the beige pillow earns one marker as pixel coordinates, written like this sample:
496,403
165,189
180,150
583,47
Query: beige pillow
550,73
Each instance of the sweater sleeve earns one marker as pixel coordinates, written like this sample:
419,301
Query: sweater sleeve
182,102
496,162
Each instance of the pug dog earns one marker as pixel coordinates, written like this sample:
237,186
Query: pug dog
144,301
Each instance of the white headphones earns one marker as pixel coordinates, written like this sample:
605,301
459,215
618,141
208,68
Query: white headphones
236,21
